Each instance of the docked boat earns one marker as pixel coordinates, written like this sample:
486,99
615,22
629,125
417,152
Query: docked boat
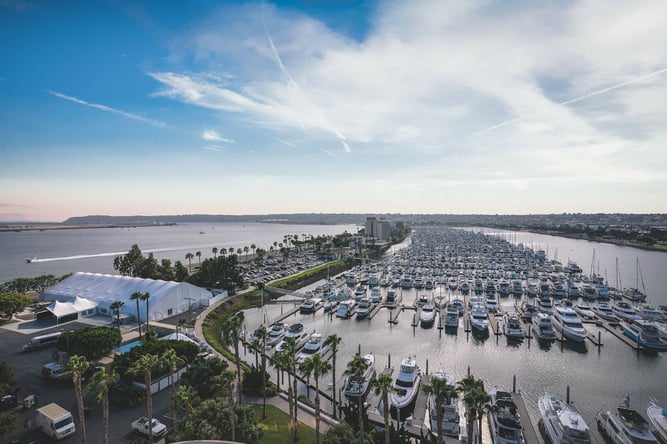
276,334
449,409
491,303
458,305
352,389
644,332
364,309
517,288
512,327
293,331
625,312
625,425
573,291
528,310
330,304
345,309
440,302
658,417
359,293
376,295
504,420
451,317
567,324
427,316
531,289
392,300
604,311
406,384
585,312
542,327
563,424
465,287
309,306
545,306
479,318
314,345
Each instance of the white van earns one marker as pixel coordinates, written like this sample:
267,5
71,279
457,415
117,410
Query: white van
43,341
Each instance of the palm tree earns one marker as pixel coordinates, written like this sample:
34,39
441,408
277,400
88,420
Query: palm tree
76,366
317,367
471,388
245,250
215,252
198,254
185,396
189,257
441,391
482,398
255,346
145,297
384,385
332,341
226,382
136,296
285,360
253,247
355,370
263,335
99,384
223,251
116,306
145,365
172,361
239,250
231,333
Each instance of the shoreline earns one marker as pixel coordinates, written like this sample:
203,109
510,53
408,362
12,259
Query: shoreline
58,226
619,242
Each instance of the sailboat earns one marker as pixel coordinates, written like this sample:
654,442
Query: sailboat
636,294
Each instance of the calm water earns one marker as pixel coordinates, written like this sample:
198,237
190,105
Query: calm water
93,250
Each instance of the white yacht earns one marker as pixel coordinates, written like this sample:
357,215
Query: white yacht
604,311
646,333
531,289
479,318
276,334
345,308
562,423
351,389
449,409
376,295
545,306
504,422
512,327
406,385
625,426
566,322
359,293
625,312
658,417
451,317
314,345
542,327
293,331
585,312
364,309
393,299
491,303
427,316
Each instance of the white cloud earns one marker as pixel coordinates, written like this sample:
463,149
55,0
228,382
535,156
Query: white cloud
212,135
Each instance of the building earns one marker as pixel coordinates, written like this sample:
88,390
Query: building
377,228
94,293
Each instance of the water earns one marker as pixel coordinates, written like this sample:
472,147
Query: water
59,252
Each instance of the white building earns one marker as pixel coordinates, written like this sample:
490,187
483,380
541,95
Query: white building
167,298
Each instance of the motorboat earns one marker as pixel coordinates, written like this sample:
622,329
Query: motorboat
345,308
585,312
542,327
504,420
589,293
276,334
376,295
490,286
573,291
604,311
422,300
293,331
625,425
330,304
562,422
392,300
451,317
649,313
512,327
645,333
517,288
449,409
352,389
479,318
309,306
457,304
603,292
625,312
359,293
314,345
364,309
406,384
558,291
479,286
440,302
528,310
453,283
427,316
545,306
491,303
465,287
657,415
531,289
567,324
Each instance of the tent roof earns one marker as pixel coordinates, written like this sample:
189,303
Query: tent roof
179,337
83,304
60,309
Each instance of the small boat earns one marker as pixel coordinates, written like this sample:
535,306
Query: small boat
604,311
451,317
359,293
364,309
427,316
531,290
293,331
330,304
562,423
644,332
309,306
479,318
658,417
465,287
314,345
625,312
528,310
406,384
376,295
625,425
504,422
491,303
392,300
542,327
29,260
351,388
457,304
440,302
276,334
449,409
345,309
512,327
585,312
545,306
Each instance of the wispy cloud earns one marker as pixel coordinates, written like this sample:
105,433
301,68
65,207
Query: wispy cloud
213,147
110,109
212,135
330,153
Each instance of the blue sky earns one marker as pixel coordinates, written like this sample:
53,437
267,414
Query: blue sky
331,106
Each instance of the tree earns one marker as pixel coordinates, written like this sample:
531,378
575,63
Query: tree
199,374
226,382
231,333
214,250
136,296
91,342
333,341
441,392
186,396
12,303
145,365
209,420
316,367
144,297
285,360
115,307
198,254
172,361
7,379
99,384
263,335
130,264
355,370
180,272
223,251
8,423
189,257
473,391
253,247
384,385
76,366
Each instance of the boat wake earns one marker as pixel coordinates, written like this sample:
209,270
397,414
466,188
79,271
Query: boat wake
117,253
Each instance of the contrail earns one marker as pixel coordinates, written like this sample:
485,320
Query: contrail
289,78
578,99
109,109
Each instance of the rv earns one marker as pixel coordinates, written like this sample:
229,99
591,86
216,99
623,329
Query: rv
43,341
55,421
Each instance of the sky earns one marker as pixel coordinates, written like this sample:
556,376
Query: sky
319,106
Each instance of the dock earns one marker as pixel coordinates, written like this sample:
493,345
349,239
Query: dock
530,434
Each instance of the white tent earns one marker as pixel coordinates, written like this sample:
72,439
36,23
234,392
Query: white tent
166,299
63,311
84,306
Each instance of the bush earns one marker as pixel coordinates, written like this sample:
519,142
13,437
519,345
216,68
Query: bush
126,395
91,342
184,349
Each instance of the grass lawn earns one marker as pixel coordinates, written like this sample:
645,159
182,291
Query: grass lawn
276,426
